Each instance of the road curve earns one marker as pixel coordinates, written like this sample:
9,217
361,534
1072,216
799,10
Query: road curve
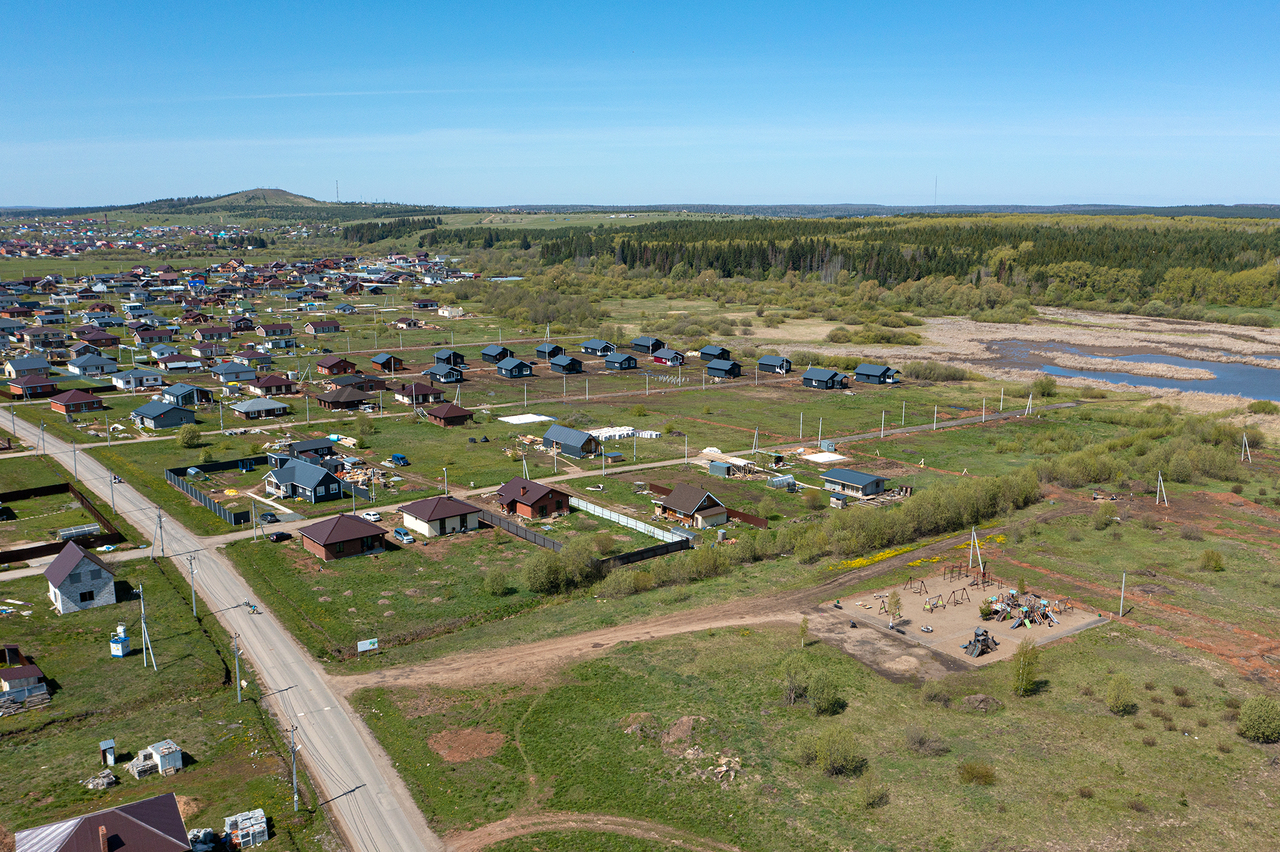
366,797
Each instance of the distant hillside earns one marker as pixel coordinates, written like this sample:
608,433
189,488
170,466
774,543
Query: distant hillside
265,197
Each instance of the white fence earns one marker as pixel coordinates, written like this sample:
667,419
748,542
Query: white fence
624,521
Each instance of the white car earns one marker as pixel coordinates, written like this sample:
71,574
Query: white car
371,516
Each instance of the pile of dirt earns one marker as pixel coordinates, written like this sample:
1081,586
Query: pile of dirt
459,746
678,733
981,703
640,724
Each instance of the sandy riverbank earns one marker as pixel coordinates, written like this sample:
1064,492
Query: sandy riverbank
1115,365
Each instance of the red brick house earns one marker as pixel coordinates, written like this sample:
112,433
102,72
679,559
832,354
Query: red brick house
75,402
270,386
334,365
345,535
530,499
449,414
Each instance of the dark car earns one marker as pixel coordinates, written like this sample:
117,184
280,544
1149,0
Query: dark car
279,536
268,518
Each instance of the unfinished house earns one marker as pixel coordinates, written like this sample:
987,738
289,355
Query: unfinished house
79,580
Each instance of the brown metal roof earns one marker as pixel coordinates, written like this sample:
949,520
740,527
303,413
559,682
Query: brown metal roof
66,561
687,499
344,394
533,491
72,397
438,508
151,825
341,528
448,410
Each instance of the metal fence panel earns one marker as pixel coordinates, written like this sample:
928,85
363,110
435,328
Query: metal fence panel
519,531
624,521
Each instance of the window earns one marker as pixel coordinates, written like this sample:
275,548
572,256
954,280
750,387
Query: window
333,489
95,573
75,578
339,547
86,597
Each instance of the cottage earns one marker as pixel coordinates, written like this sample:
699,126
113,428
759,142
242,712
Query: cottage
619,361
270,386
647,345
322,327
595,346
345,535
345,309
417,393
213,332
451,312
669,357
853,482
164,350
343,399
571,442
514,368
251,357
388,363
549,350
186,396
75,402
449,414
208,351
405,323
136,379
495,353
314,447
148,336
274,329
79,580
774,364
230,371
817,377
99,338
240,323
692,507
299,478
334,365
722,369
440,516
29,387
566,364
359,381
32,365
531,499
256,409
443,373
161,415
426,304
711,352
875,374
450,358
153,824
180,364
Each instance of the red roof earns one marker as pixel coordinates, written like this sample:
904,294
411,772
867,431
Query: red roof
72,397
447,411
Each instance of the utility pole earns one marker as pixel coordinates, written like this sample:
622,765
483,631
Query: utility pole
881,424
1123,576
146,635
111,480
235,649
446,480
192,569
75,462
293,754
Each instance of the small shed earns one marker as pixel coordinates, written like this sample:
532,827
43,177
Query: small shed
817,377
596,346
571,442
548,351
722,369
774,364
448,414
669,357
647,345
388,362
711,352
875,374
450,358
443,373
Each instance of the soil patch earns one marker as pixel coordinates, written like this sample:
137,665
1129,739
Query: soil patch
189,806
679,733
459,746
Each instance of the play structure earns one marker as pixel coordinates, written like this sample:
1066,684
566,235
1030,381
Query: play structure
1025,610
981,643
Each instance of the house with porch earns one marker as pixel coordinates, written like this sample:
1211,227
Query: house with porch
823,379
692,507
299,478
440,516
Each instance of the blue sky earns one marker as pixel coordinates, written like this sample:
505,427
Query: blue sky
651,103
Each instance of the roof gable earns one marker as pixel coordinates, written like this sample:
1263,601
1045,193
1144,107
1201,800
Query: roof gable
340,528
438,508
67,560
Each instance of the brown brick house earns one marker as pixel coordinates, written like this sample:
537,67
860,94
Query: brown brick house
342,536
530,499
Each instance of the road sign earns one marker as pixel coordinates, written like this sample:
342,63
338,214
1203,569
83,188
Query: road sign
366,645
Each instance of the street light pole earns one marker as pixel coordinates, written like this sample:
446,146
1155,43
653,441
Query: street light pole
446,480
192,569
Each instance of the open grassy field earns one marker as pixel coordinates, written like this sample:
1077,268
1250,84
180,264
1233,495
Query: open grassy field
115,411
37,519
606,738
235,759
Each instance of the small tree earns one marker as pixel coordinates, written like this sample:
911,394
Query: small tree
795,678
495,582
824,694
1211,560
895,604
1045,386
364,424
1120,696
188,436
1260,720
1025,661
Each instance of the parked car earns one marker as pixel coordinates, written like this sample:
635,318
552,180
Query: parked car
402,535
268,518
371,516
279,536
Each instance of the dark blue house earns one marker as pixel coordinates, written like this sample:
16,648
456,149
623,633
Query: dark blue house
875,374
619,361
775,364
550,350
514,368
495,354
451,358
595,346
566,364
722,369
817,377
713,353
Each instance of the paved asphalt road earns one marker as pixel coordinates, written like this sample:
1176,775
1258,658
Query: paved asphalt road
371,805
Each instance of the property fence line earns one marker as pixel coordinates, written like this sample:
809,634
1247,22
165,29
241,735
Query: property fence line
647,553
177,478
660,534
735,515
519,531
35,551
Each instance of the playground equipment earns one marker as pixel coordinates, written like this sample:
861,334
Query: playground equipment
981,643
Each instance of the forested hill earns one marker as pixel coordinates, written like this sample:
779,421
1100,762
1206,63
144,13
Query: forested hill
821,211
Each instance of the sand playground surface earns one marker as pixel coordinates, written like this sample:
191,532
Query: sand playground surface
952,620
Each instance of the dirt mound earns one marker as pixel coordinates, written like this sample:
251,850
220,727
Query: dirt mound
189,806
459,746
680,732
639,723
981,703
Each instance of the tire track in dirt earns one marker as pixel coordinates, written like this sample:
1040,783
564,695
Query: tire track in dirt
522,824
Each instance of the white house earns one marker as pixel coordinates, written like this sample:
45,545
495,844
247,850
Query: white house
79,580
440,516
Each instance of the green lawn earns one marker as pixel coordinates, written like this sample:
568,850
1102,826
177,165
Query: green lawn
116,411
565,747
236,758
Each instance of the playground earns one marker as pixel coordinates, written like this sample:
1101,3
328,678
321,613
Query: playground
942,610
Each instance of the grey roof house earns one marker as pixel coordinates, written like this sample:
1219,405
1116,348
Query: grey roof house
78,580
571,442
161,415
298,478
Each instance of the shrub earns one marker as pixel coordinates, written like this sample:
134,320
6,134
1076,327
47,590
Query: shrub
495,582
1260,720
872,792
1179,691
1237,488
1102,517
985,610
977,772
814,500
1120,696
824,694
1225,748
1148,741
839,334
206,455
834,751
1093,393
1211,560
933,692
922,742
1232,702
1138,806
932,371
1045,386
1262,406
1184,701
1025,661
1086,690
188,436
1191,532
1149,685
795,680
1085,792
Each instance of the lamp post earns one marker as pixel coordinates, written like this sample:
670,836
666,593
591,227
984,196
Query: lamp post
446,479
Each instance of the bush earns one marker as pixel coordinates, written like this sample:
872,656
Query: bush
1260,720
495,582
824,694
1211,560
1148,741
1025,661
977,772
935,693
922,742
188,436
1045,386
932,371
1237,488
814,500
1120,696
1102,517
834,751
1085,792
1262,406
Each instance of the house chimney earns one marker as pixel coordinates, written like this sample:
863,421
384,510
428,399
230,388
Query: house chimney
102,838
523,490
